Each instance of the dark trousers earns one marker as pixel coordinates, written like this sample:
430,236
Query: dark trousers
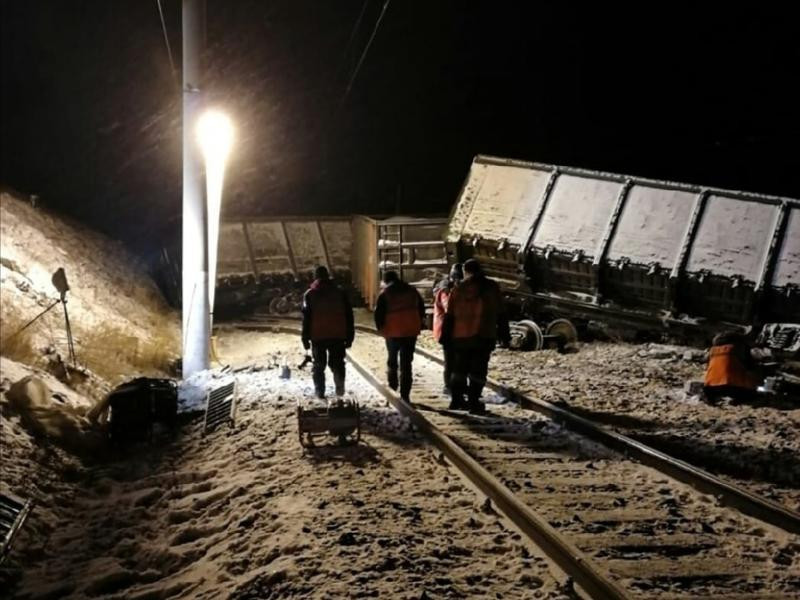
470,366
404,349
328,353
733,392
447,352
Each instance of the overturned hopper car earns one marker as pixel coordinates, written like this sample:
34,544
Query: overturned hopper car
644,254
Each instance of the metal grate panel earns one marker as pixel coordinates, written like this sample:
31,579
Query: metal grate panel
220,406
13,512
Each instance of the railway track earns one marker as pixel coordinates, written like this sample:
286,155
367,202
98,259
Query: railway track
618,527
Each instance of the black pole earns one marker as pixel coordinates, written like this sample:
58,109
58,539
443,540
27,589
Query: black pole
70,345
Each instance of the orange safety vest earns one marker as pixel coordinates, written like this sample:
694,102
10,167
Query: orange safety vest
402,311
726,368
327,310
474,307
440,301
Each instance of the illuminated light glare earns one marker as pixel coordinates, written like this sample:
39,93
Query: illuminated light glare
215,135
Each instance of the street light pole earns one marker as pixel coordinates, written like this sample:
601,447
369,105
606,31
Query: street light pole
196,325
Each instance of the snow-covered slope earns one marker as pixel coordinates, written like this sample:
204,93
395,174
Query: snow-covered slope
120,321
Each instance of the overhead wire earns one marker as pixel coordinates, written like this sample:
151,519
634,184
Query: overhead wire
356,27
364,53
166,37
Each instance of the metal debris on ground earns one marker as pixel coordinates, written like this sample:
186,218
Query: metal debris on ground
13,512
220,406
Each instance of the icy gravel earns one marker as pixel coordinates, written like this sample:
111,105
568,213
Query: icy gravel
638,389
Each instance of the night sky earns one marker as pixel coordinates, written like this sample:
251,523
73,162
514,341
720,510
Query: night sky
91,108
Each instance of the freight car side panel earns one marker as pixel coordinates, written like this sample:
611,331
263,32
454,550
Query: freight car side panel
577,214
652,226
233,257
339,241
787,267
364,259
499,203
733,238
627,248
461,211
306,244
269,247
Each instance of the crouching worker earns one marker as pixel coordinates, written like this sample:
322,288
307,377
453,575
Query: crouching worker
731,369
399,315
441,296
474,321
327,329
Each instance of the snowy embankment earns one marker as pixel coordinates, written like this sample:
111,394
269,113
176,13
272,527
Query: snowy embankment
120,322
122,328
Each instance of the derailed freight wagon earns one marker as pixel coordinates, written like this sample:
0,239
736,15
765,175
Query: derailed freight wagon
267,263
412,246
642,253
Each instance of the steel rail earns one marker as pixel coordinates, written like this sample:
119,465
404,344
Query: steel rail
728,494
568,557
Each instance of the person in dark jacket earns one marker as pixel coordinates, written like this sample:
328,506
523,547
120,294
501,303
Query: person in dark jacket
475,319
328,329
441,296
399,315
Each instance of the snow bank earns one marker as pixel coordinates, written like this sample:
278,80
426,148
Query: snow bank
193,390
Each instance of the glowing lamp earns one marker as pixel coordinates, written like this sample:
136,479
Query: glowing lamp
215,135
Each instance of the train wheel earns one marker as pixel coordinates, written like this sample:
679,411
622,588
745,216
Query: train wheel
526,335
565,331
273,305
534,337
283,305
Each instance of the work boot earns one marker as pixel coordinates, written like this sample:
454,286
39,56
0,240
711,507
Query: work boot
319,382
339,382
477,408
457,404
391,378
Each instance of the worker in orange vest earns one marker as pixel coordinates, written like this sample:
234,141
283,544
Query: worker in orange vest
475,319
441,296
731,369
399,315
328,329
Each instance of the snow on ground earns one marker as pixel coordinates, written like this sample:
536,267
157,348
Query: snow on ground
244,513
639,390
